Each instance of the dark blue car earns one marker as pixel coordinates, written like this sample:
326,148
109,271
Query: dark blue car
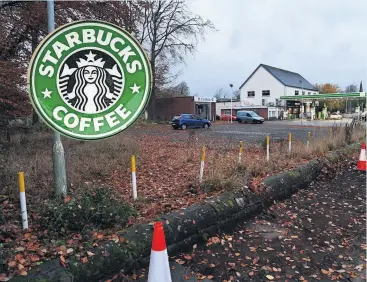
189,121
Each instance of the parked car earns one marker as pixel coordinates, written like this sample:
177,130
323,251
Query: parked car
184,121
335,116
249,116
227,117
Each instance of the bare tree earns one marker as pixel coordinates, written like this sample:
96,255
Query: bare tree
351,88
219,93
237,94
169,29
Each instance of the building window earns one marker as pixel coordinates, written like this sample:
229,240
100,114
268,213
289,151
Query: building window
303,92
263,102
266,92
314,93
296,92
309,93
250,93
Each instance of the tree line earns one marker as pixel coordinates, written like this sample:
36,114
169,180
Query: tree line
167,30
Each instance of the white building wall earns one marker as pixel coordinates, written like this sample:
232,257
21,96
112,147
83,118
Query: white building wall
225,105
290,91
262,80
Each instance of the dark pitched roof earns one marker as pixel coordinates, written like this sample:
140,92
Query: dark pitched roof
285,77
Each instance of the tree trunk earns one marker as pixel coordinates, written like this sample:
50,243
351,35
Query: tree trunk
151,105
35,117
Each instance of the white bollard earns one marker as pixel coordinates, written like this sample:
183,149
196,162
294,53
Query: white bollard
133,176
23,204
267,148
240,152
289,143
202,164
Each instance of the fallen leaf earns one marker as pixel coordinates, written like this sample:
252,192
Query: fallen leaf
270,277
67,199
215,240
84,260
12,263
90,253
100,236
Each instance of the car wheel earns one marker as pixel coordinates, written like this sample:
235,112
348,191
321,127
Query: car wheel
206,125
183,126
239,121
262,122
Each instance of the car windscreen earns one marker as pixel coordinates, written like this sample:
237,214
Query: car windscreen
254,114
176,117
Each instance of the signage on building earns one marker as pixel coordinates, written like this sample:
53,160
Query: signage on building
203,99
89,80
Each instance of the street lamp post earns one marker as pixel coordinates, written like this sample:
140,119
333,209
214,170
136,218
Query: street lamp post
231,85
301,101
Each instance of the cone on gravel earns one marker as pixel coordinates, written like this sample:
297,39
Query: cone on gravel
362,158
159,270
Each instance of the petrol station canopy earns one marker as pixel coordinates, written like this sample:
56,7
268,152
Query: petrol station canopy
326,96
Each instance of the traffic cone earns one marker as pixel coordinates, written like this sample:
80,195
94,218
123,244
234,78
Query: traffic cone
362,158
159,270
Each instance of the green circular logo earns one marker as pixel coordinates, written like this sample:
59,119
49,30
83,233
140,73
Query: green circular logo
89,80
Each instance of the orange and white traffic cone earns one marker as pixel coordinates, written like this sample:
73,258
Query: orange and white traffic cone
362,158
159,270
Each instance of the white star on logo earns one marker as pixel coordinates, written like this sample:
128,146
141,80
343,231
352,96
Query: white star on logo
46,93
90,56
135,88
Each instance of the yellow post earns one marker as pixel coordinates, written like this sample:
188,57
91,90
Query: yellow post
202,163
133,168
240,153
203,154
21,182
267,147
133,177
308,139
23,204
289,142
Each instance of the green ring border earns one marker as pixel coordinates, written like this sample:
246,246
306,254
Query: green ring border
42,43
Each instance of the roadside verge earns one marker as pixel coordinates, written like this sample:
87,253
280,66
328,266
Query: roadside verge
186,227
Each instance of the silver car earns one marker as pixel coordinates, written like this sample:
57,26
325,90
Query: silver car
249,117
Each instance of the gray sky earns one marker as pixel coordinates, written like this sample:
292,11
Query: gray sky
323,40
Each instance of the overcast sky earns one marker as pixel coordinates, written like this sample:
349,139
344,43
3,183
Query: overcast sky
323,40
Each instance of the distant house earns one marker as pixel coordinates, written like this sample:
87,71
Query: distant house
266,84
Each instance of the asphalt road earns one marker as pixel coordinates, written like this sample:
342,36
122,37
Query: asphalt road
243,132
275,129
316,235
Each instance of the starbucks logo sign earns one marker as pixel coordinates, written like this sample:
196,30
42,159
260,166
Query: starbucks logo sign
89,80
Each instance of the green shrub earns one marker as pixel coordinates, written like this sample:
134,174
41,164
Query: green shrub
98,209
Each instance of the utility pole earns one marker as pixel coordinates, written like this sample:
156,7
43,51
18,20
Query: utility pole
231,85
301,102
58,156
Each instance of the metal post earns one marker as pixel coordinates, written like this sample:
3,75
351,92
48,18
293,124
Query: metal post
57,149
301,102
231,85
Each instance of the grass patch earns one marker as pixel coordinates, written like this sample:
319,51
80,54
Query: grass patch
92,210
